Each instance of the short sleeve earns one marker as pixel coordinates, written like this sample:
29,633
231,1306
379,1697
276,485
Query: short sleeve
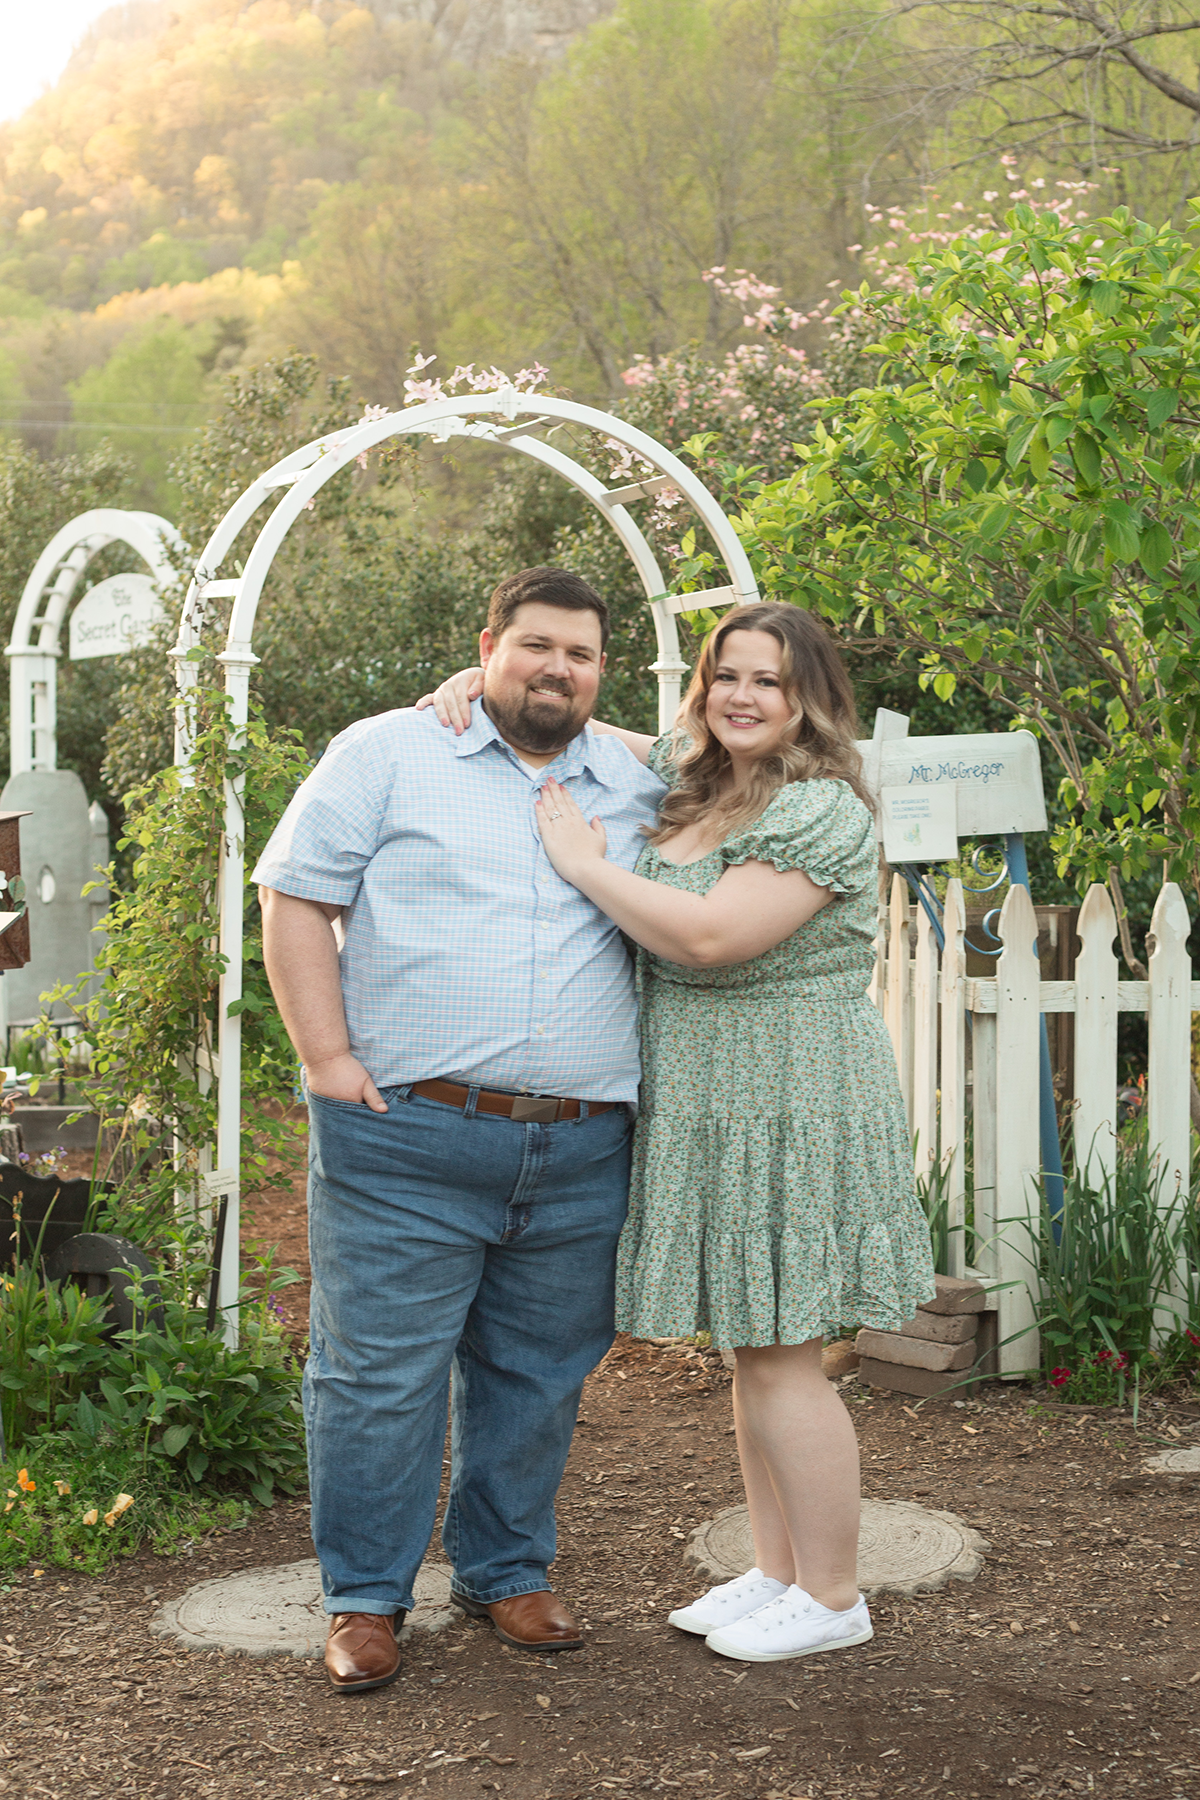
664,757
332,826
820,827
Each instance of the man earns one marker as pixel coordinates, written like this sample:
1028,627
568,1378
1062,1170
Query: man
470,1061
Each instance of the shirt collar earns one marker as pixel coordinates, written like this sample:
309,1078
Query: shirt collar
581,753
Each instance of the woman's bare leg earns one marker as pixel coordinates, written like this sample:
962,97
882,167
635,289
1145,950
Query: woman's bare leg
772,1545
800,1464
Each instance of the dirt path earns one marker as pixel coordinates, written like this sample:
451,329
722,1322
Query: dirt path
982,1688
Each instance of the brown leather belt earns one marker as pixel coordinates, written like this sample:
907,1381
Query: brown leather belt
527,1109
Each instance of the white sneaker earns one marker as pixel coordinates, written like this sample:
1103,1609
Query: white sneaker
726,1604
794,1624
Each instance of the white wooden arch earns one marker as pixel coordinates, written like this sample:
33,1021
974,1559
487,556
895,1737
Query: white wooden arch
490,418
34,647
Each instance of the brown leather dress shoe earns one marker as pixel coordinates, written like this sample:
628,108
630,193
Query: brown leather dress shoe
527,1621
361,1650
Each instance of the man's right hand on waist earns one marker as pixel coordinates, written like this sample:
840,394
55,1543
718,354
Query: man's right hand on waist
344,1078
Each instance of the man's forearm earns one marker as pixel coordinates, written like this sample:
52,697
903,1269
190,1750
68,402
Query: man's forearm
301,956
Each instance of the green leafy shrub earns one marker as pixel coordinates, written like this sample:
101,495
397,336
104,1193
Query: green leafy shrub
51,1346
1109,1268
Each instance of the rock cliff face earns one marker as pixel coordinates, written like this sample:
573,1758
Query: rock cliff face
478,31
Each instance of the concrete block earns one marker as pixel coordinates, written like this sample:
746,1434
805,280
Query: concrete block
956,1296
914,1353
839,1359
921,1382
942,1328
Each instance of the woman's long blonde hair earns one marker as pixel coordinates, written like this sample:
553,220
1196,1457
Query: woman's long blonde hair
823,727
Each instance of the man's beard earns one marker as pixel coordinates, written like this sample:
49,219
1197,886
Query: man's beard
539,726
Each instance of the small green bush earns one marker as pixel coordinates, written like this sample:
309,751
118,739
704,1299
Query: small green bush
186,1399
1110,1267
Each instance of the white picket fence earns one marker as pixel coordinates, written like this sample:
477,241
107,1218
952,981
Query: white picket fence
917,992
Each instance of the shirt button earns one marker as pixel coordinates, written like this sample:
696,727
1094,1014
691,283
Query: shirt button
541,1031
543,926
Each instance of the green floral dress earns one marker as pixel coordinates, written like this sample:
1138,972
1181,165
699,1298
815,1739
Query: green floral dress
772,1196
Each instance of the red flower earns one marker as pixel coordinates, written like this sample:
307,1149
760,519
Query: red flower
1059,1376
1191,1337
1103,1356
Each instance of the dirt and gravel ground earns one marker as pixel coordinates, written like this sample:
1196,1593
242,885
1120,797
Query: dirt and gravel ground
1070,1665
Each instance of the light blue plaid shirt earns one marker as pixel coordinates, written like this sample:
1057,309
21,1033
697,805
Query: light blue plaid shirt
465,955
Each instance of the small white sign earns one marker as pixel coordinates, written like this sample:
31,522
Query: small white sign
114,617
919,825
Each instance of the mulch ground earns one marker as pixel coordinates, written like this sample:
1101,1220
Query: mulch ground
1071,1664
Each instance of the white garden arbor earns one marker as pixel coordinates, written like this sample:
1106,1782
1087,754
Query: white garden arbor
64,842
35,647
512,420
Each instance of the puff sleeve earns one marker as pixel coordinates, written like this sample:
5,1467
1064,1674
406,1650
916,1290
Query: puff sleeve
820,827
664,755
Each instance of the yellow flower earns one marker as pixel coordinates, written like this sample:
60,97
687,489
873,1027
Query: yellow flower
39,1572
24,1482
11,1492
63,1487
90,1518
9,1505
121,1504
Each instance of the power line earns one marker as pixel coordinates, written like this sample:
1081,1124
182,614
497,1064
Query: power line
89,425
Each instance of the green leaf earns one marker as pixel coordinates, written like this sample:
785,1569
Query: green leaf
1121,536
995,521
1156,548
1107,298
975,475
1160,406
197,1463
1058,429
1040,459
944,684
1088,461
175,1437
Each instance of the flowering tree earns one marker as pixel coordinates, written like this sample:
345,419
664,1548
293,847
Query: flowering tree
1014,505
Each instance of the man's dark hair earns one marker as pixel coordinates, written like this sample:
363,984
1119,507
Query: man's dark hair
552,587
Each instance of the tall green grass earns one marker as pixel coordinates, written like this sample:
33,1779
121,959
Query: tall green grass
1119,1274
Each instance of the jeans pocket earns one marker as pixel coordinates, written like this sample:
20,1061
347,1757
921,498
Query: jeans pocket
358,1106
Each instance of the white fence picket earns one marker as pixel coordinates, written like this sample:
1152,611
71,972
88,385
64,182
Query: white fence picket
953,1099
1018,1154
925,1045
1167,1087
1096,1036
1003,1093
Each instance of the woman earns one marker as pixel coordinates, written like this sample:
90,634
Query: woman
772,1197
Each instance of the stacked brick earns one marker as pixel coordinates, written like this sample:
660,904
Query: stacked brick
934,1351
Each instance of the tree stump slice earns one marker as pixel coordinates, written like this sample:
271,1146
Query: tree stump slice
903,1548
278,1611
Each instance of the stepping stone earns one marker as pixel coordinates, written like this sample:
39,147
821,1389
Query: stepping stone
278,1611
1184,1461
902,1548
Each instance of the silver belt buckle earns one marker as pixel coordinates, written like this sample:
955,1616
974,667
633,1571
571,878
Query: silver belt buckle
535,1109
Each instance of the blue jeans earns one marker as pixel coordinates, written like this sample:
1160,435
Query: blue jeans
446,1240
